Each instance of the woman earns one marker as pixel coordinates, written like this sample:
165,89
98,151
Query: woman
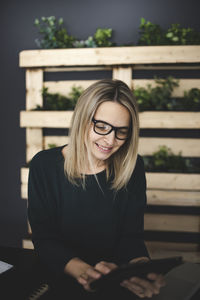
86,200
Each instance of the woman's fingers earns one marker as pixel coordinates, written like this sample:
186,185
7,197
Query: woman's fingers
105,267
87,277
139,291
145,284
158,279
144,288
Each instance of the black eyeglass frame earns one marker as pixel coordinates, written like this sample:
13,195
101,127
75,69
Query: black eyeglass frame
112,128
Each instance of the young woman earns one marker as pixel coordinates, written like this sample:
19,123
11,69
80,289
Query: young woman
86,200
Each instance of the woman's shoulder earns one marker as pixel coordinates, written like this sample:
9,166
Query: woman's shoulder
139,163
48,156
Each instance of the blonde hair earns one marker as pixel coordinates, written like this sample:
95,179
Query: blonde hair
121,164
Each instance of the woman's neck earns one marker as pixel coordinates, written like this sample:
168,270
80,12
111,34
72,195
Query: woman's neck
98,166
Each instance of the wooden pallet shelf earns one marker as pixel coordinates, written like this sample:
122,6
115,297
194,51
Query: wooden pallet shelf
163,189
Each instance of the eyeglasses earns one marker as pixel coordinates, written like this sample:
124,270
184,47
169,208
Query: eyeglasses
104,128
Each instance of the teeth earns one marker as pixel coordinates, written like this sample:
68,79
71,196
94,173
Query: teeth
104,148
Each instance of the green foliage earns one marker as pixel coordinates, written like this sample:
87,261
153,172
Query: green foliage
100,39
164,160
52,146
75,94
59,102
191,100
156,98
182,36
160,97
152,34
89,43
102,36
54,34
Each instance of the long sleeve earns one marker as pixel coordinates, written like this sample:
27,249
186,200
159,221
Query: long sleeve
131,243
42,209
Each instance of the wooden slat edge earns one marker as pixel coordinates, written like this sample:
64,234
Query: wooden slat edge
109,56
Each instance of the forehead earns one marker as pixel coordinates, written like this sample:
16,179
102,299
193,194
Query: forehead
113,113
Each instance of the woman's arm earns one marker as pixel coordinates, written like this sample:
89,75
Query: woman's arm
46,235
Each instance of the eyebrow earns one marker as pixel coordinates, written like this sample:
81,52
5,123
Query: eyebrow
120,127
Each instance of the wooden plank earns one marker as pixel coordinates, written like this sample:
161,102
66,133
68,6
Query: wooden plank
109,56
173,197
78,69
189,251
46,119
167,67
187,147
171,222
124,74
34,142
34,84
172,246
61,119
24,175
65,87
173,181
184,85
170,120
27,244
136,67
24,191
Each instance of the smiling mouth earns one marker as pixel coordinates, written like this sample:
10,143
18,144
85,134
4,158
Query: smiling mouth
103,149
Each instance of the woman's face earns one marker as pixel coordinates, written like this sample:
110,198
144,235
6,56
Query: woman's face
103,146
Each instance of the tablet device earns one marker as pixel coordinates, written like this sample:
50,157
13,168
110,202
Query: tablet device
138,269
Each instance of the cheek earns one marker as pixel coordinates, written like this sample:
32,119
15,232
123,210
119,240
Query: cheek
92,135
120,143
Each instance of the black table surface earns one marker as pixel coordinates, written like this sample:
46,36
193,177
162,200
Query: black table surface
27,275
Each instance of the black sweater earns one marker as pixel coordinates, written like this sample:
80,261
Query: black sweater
68,221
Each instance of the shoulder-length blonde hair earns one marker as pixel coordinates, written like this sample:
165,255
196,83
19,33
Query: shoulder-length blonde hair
122,163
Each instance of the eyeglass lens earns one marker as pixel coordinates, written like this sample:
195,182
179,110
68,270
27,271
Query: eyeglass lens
104,129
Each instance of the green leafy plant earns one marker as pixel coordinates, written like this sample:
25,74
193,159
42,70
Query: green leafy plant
156,98
102,36
89,43
58,102
160,97
152,35
100,39
164,160
52,146
54,34
191,99
176,35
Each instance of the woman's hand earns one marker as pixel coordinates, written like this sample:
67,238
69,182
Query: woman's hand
95,272
144,288
141,287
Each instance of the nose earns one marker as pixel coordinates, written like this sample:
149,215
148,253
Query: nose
109,138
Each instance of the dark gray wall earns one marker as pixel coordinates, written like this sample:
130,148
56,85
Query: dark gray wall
18,33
